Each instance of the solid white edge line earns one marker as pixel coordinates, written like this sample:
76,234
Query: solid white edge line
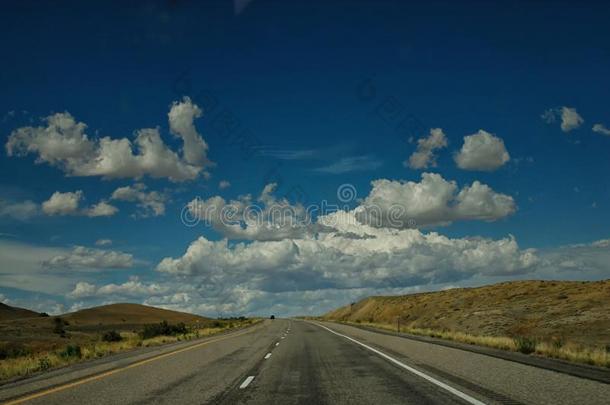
267,356
433,380
246,382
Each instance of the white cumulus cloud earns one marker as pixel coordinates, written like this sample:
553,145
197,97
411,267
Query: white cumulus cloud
570,118
266,218
432,201
102,209
424,156
68,203
62,142
63,203
132,288
149,202
482,151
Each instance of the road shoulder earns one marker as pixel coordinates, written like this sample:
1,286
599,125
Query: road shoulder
593,373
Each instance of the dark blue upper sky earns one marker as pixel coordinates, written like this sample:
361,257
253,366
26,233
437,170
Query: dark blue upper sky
313,81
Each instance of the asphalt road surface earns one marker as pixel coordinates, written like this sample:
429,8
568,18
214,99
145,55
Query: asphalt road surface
300,362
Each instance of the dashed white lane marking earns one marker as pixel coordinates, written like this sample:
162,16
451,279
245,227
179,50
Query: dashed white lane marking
277,344
283,337
433,380
246,382
267,356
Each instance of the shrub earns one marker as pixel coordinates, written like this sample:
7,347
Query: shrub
163,329
12,350
525,345
43,315
112,336
71,351
557,343
44,364
58,327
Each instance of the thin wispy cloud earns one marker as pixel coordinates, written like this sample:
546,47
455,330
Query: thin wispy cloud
351,164
289,154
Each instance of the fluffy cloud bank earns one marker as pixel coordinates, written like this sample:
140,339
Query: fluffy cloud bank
353,257
424,156
266,218
63,143
309,276
432,201
482,151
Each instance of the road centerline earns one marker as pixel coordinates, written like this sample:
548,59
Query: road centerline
246,382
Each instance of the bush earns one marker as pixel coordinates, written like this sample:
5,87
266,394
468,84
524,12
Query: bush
43,315
525,345
112,336
163,329
58,327
44,364
71,351
12,350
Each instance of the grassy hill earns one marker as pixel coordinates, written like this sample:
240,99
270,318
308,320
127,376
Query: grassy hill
128,314
552,316
8,313
578,311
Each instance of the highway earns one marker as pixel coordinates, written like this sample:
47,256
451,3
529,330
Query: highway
288,361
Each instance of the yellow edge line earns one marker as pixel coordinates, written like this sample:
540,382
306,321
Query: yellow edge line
117,370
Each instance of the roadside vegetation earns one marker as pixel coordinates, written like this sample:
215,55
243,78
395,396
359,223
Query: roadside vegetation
554,348
19,359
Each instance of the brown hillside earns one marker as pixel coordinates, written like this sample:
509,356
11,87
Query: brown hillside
8,313
131,314
569,310
38,334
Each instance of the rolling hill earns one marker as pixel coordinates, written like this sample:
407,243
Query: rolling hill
568,310
8,312
130,314
38,333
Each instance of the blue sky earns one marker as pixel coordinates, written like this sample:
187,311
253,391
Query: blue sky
310,97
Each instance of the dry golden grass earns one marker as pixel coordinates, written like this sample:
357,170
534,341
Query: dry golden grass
597,356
